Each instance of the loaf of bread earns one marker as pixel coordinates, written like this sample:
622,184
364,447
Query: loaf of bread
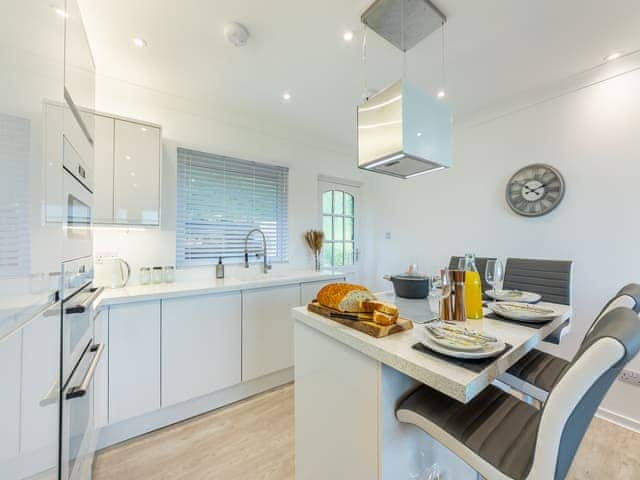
344,297
384,319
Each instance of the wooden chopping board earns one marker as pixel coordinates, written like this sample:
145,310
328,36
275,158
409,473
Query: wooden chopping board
364,322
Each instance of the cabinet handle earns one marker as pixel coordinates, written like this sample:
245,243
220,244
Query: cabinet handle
81,390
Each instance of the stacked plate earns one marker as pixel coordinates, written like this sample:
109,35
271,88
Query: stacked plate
513,296
523,312
461,342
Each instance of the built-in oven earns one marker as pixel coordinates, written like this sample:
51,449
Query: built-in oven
78,234
79,358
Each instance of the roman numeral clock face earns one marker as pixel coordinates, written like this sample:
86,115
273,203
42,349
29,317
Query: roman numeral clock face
535,190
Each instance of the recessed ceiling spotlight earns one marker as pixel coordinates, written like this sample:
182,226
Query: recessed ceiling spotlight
419,134
144,129
127,157
61,12
612,56
133,174
442,94
286,96
348,36
139,42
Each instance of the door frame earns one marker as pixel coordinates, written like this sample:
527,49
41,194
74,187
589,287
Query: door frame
325,183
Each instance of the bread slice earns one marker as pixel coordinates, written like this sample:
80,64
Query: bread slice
384,319
344,297
369,306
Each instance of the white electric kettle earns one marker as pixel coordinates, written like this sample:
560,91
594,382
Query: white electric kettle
112,272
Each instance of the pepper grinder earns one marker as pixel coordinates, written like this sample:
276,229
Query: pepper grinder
446,309
459,312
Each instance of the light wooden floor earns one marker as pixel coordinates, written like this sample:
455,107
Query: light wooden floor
253,440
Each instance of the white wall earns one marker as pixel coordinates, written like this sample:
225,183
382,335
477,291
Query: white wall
593,137
204,126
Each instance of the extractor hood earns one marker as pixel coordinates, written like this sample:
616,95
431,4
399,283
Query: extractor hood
404,132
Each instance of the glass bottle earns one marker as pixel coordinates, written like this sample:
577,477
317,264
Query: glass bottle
472,287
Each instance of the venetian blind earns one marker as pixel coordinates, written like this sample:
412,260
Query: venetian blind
220,199
14,187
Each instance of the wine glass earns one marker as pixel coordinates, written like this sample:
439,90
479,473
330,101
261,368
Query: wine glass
493,274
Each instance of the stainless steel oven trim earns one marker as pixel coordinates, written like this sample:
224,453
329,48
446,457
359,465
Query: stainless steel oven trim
81,389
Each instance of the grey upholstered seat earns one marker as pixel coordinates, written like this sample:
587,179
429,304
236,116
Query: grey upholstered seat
541,370
504,438
549,278
481,265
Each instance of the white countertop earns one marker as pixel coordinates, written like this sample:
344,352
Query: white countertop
453,380
139,293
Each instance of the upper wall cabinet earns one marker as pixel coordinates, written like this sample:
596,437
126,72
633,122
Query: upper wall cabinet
127,172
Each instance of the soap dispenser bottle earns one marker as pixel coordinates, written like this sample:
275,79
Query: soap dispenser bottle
220,268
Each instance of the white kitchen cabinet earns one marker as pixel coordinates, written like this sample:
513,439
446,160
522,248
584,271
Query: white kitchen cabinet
267,330
201,345
10,398
103,185
101,375
136,174
311,289
40,372
134,360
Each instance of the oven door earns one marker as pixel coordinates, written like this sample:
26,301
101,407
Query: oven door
77,328
78,201
77,432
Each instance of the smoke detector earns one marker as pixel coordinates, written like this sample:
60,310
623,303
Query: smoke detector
236,34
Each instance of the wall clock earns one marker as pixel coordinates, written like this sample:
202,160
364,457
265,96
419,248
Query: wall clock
535,190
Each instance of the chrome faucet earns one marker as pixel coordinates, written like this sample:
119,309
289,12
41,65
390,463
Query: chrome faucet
266,267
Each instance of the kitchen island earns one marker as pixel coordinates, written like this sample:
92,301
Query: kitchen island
348,385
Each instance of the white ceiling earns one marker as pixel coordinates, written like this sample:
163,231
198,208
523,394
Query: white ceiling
496,49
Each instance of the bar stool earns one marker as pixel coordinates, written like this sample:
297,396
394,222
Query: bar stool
536,372
503,438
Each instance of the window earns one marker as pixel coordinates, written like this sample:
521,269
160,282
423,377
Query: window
15,135
220,200
338,221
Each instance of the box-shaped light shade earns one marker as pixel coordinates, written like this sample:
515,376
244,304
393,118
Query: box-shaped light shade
403,131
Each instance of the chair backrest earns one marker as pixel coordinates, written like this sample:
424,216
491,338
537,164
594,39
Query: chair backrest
549,278
574,399
628,296
481,265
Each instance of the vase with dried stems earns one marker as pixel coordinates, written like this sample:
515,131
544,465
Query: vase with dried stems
315,240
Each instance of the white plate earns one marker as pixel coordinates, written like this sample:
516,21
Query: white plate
514,296
523,311
451,344
493,350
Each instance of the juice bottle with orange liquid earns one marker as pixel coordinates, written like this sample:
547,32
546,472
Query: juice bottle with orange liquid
472,288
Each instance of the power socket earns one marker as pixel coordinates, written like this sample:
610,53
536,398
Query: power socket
630,376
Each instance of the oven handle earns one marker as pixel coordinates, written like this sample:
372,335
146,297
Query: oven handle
81,390
82,307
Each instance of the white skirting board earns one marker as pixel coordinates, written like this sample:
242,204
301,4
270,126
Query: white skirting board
621,420
133,427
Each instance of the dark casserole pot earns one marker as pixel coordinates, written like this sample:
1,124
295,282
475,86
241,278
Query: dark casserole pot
409,286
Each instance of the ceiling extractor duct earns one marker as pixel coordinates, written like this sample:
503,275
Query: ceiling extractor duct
402,130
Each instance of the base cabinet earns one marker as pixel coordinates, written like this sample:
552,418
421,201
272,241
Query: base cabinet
134,360
267,330
201,341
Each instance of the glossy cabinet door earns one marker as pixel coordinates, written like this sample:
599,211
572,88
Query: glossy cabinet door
40,375
311,289
201,345
103,170
134,360
9,402
136,174
101,375
267,330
